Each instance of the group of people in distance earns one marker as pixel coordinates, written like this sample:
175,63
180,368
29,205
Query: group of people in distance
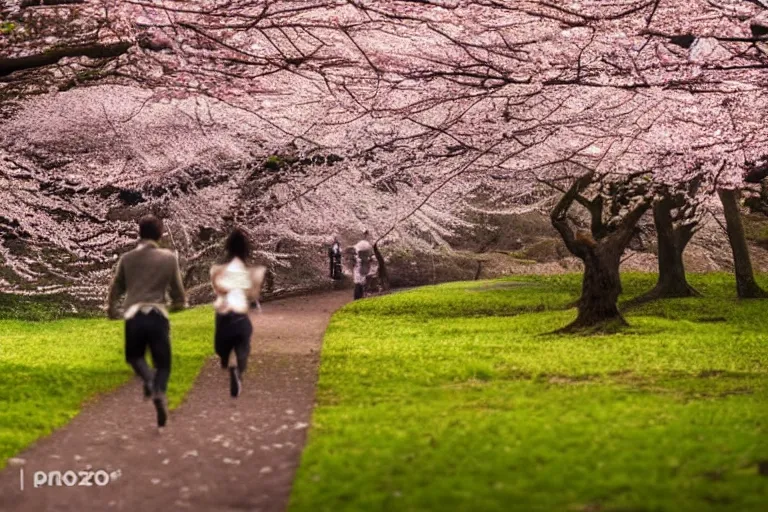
144,276
359,257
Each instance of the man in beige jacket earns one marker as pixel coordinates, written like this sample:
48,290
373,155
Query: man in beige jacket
143,276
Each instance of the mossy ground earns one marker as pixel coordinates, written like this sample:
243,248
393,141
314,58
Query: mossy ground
459,397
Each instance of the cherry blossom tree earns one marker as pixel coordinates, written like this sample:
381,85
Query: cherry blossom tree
459,96
702,145
600,250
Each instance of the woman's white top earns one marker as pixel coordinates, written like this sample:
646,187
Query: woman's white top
236,285
363,254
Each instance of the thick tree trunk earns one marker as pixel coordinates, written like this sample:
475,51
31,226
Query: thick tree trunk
600,290
601,285
672,281
671,245
383,274
746,286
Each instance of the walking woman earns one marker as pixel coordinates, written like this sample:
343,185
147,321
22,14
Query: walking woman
237,287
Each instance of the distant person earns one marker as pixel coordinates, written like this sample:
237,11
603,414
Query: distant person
143,275
237,288
334,257
363,252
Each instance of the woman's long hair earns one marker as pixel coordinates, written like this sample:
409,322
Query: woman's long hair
238,245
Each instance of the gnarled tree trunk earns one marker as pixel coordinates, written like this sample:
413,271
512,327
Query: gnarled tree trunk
601,285
746,286
600,289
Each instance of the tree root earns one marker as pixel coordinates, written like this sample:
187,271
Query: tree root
585,327
661,292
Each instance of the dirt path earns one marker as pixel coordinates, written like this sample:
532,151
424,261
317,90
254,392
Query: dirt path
216,454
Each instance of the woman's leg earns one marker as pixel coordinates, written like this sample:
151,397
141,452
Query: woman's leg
243,345
241,331
221,343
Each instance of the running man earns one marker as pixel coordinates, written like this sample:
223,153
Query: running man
237,287
143,275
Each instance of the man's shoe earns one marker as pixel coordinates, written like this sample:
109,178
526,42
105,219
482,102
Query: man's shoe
235,385
162,411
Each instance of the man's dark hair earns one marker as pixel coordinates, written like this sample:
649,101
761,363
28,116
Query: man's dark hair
150,228
238,245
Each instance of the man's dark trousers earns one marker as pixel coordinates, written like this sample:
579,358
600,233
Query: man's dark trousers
150,330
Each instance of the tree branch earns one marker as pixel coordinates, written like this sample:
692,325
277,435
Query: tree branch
51,56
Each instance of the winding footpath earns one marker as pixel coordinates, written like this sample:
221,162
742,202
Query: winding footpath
216,454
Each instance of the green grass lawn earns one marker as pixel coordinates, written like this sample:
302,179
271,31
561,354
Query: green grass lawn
49,369
458,398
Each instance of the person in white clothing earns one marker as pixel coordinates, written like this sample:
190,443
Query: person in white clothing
363,255
237,287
